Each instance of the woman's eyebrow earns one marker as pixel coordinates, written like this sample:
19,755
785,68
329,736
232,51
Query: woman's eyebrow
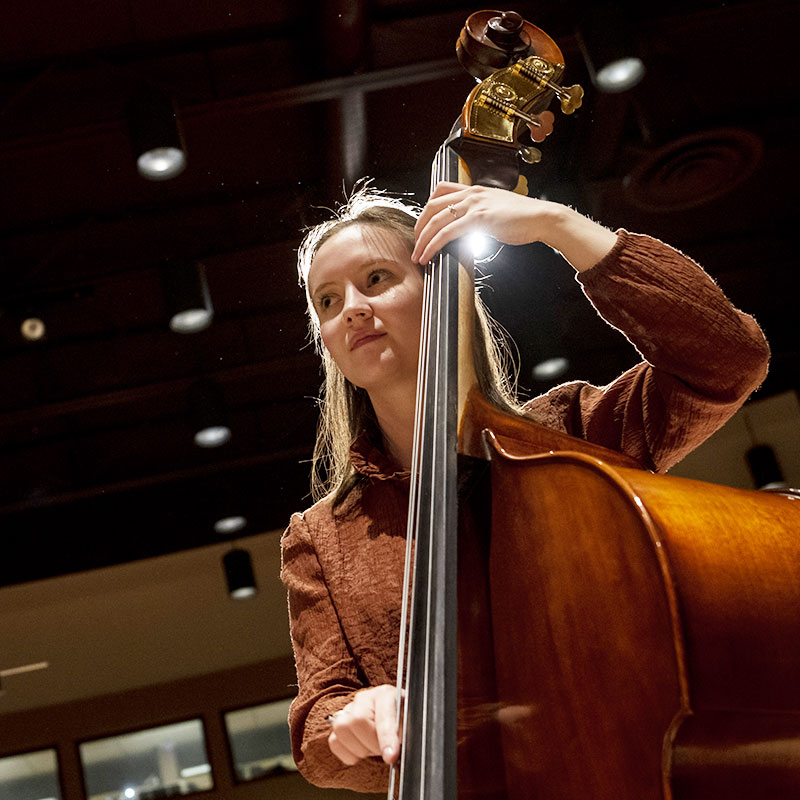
315,291
364,265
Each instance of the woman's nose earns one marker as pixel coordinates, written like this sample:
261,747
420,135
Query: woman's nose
356,306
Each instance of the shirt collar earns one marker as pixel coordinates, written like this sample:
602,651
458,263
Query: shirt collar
370,461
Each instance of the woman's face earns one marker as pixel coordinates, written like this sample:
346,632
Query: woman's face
367,294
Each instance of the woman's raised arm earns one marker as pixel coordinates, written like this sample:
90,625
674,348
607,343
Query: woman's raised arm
454,210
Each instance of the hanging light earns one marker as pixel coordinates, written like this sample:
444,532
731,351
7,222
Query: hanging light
155,134
608,48
225,504
208,414
187,297
232,523
764,467
239,574
551,368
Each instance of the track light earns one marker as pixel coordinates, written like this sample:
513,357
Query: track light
187,297
233,523
208,415
226,504
609,49
239,574
155,135
551,368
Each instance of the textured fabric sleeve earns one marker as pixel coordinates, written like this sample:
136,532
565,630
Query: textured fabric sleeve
702,357
327,674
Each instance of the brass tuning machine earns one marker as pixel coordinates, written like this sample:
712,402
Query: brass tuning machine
540,71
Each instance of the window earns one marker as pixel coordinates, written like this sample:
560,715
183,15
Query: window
259,739
145,765
30,776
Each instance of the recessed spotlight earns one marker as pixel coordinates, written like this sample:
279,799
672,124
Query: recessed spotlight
33,329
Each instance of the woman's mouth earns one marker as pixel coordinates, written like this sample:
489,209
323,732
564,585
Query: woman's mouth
362,340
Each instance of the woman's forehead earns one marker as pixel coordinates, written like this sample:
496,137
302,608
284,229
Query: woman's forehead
357,245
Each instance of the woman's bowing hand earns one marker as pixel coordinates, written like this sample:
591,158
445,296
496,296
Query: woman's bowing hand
454,210
367,726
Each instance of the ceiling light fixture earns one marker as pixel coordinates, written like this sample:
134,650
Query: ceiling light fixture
208,414
550,368
609,49
32,329
764,467
230,524
187,296
155,134
239,574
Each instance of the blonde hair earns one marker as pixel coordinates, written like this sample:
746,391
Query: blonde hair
345,410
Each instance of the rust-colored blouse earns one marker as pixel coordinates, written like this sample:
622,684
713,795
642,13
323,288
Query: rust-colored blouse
343,568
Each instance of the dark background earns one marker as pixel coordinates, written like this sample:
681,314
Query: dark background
98,463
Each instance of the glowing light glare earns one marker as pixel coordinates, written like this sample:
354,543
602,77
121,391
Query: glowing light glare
230,524
161,163
620,75
130,793
550,368
33,329
191,772
191,320
480,245
213,436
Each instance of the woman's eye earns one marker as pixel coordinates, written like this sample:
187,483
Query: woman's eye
375,277
324,302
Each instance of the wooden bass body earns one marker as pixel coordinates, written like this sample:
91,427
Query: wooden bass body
645,630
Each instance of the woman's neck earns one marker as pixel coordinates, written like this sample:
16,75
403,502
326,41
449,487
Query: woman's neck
394,411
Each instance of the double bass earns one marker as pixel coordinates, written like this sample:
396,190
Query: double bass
578,626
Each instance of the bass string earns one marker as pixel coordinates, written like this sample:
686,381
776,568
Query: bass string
431,316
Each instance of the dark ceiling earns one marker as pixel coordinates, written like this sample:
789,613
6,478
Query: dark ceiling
281,104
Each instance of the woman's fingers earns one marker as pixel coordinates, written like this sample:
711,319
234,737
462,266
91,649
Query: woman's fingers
448,203
455,210
344,751
386,725
353,734
440,231
452,211
366,727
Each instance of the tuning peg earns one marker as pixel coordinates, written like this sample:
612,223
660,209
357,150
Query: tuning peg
571,97
541,126
530,155
539,70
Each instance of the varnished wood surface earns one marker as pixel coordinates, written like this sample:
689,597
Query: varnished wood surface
520,435
654,624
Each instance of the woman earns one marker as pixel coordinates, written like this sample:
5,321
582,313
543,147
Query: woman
343,558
